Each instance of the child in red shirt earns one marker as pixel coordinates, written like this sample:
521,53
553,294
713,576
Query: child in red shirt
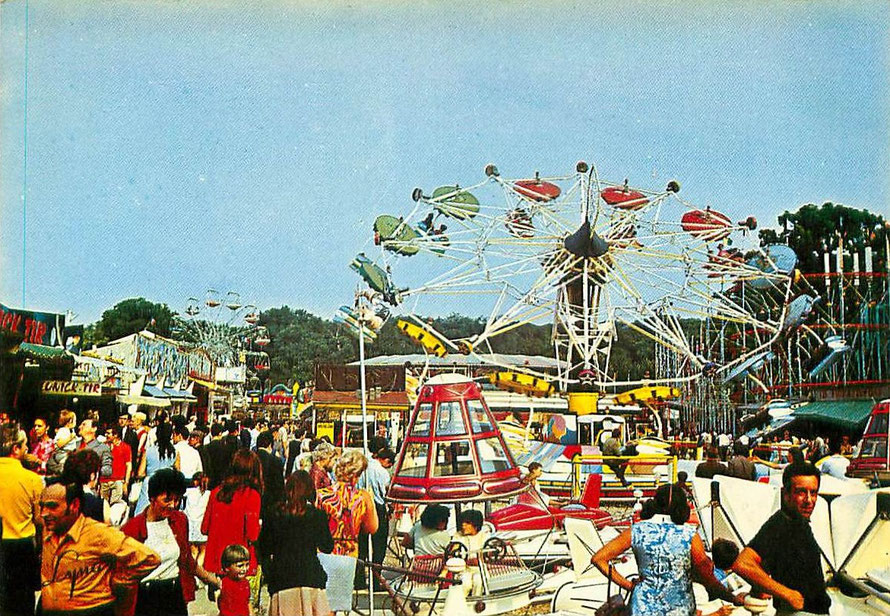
234,597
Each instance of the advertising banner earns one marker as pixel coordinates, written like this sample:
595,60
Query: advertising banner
325,428
71,388
35,327
73,336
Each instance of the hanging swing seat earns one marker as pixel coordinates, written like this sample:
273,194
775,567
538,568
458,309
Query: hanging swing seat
537,190
521,383
454,202
624,198
396,235
707,224
432,341
647,394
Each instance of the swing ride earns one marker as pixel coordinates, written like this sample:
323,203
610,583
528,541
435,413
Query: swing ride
582,255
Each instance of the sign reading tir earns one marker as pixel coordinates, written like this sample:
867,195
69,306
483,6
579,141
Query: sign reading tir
71,388
35,327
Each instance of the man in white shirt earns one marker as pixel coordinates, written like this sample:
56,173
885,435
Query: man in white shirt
188,460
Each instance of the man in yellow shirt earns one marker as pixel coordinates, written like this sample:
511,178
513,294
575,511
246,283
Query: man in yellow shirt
19,495
88,567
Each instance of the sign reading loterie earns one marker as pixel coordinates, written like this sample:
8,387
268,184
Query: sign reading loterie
71,388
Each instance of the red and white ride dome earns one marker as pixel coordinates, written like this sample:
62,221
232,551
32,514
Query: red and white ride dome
453,451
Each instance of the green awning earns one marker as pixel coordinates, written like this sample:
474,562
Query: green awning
44,354
844,413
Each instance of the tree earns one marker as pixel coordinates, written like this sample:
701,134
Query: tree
298,340
128,317
812,230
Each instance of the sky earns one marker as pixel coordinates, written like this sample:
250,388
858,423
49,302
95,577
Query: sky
160,148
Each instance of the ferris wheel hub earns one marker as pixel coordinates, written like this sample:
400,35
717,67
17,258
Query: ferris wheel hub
586,243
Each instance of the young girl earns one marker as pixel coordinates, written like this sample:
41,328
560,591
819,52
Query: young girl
66,437
234,596
470,533
64,443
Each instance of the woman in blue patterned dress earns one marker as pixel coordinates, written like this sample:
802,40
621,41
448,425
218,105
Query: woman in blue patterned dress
666,549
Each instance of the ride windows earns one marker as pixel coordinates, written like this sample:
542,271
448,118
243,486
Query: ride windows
479,419
873,447
878,424
421,425
450,419
492,456
414,464
453,458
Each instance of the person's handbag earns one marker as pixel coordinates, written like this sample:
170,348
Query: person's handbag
135,491
615,605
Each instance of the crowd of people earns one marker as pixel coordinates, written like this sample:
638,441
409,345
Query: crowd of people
135,517
745,459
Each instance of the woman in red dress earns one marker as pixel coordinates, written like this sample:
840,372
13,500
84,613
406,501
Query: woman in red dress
233,511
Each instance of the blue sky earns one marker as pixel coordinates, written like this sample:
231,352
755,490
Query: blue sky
174,146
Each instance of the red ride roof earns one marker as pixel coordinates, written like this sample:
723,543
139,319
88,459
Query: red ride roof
453,449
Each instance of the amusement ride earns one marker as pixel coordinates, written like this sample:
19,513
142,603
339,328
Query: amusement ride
588,258
228,330
583,256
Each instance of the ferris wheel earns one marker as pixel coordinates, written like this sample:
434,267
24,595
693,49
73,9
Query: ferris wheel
583,255
225,328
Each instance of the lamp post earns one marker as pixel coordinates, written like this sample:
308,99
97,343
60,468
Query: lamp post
364,402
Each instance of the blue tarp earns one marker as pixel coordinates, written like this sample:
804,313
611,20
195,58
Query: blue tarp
178,393
154,391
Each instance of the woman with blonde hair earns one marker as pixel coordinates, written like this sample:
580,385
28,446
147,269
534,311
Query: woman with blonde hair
350,510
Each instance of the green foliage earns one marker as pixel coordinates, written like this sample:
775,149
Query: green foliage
298,340
812,230
128,317
633,354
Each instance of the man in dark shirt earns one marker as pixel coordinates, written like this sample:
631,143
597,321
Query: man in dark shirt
293,451
218,455
783,558
245,439
739,465
273,473
712,466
